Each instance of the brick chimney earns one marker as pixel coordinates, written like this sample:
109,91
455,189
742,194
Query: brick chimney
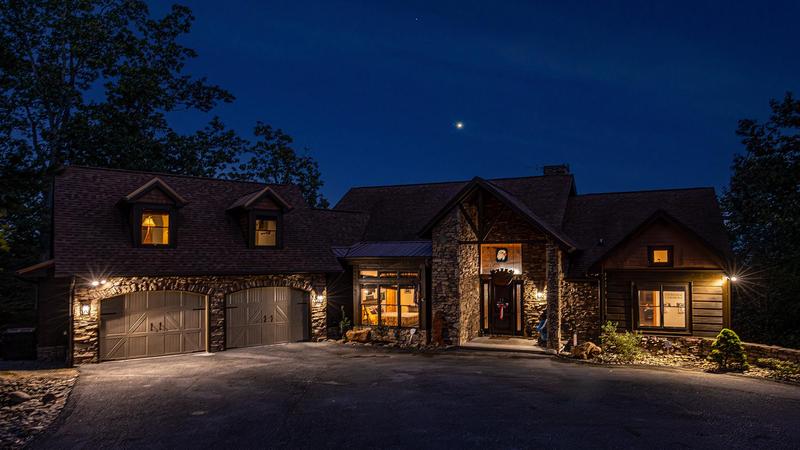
561,169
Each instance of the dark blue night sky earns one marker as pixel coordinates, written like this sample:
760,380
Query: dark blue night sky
631,96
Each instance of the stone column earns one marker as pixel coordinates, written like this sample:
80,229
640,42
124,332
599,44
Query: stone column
319,305
553,296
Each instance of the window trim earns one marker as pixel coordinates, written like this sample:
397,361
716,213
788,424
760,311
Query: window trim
686,288
262,214
136,222
670,255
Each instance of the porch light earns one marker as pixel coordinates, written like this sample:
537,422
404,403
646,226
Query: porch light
734,278
85,309
319,299
95,283
539,295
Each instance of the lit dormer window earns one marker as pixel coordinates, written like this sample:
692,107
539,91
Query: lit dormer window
154,228
266,232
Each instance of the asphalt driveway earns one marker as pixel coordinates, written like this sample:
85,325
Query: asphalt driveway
328,395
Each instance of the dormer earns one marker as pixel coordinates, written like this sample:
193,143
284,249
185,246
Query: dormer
260,217
152,210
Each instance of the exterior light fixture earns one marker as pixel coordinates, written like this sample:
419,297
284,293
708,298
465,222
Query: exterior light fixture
85,309
539,295
104,282
319,299
95,283
734,279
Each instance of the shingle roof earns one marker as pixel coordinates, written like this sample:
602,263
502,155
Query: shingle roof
400,212
386,249
91,235
614,216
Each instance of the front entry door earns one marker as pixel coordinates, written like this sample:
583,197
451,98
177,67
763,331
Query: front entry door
502,305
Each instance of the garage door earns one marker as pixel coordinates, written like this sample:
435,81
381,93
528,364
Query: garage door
262,316
152,324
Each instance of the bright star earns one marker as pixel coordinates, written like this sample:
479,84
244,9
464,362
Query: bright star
459,125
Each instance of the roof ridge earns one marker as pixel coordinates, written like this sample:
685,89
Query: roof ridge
458,181
699,188
147,172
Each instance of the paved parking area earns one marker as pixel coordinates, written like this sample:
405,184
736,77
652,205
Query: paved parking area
328,395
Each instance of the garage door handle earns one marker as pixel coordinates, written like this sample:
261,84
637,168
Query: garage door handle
265,318
151,326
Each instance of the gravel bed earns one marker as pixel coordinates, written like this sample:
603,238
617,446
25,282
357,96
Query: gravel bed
30,401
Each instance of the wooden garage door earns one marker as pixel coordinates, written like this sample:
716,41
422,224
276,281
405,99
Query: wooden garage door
152,323
263,316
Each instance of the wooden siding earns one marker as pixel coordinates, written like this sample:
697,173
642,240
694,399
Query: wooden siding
709,299
688,251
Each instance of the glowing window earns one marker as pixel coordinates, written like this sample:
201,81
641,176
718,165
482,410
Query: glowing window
659,256
266,232
155,228
662,306
501,256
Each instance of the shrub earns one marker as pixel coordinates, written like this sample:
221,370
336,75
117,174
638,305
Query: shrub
727,352
345,324
627,345
784,370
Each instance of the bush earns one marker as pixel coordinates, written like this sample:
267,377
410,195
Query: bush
784,370
627,345
345,324
727,352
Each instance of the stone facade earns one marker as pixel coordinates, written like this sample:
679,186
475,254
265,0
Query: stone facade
401,336
580,310
215,288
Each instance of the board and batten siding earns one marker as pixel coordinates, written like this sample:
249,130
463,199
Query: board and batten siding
708,297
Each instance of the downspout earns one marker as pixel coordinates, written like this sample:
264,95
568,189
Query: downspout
71,337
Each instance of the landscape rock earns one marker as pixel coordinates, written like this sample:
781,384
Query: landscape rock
586,350
17,397
358,335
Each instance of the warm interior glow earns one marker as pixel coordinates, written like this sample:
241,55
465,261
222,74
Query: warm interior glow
409,310
155,228
660,256
368,273
369,305
649,308
501,256
388,300
674,309
266,232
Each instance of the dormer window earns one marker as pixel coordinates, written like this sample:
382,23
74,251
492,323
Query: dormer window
659,256
266,231
155,227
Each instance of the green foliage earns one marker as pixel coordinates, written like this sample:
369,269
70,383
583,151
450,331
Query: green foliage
627,346
96,82
345,324
762,213
784,370
727,352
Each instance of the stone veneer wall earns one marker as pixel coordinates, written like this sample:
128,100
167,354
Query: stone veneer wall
701,347
553,295
469,286
86,328
580,309
401,336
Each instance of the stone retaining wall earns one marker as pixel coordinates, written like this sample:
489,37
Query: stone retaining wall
701,347
401,336
215,288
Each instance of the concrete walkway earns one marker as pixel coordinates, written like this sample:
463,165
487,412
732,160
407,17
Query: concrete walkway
338,396
508,344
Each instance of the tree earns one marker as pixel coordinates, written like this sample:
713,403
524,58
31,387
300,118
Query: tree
274,160
94,82
762,207
727,352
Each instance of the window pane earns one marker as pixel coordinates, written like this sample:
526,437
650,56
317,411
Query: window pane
369,305
368,273
155,228
660,256
388,299
409,274
675,309
387,274
266,232
409,307
649,308
501,256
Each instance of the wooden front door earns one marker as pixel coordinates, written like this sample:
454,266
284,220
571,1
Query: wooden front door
502,305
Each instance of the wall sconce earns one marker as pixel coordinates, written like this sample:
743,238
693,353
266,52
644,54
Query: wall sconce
86,308
539,295
319,299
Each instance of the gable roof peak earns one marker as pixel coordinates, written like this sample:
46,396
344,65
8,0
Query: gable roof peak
155,183
247,201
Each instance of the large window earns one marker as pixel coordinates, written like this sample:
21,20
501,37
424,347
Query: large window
154,227
389,298
662,306
501,256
